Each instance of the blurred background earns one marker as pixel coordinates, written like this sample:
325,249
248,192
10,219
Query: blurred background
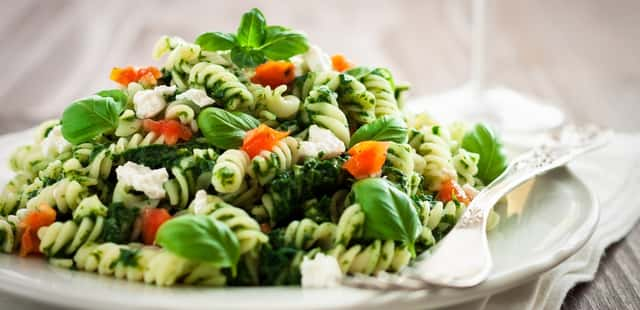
580,55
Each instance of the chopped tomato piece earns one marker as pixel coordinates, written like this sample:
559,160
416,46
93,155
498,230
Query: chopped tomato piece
274,73
172,130
450,190
45,215
263,138
340,63
367,158
148,76
152,218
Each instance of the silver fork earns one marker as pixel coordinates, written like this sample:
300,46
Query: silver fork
445,264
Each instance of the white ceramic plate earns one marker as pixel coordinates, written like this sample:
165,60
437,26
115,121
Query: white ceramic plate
559,216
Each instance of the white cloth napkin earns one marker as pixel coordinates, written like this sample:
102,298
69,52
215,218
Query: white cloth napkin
613,174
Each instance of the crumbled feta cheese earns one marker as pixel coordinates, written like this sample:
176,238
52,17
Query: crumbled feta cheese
198,96
298,65
149,102
143,178
54,143
321,271
321,142
317,60
199,203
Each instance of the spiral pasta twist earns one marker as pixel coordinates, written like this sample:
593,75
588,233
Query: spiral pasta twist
306,234
243,226
221,85
315,79
433,144
180,188
265,165
350,225
182,57
183,111
321,108
10,198
466,165
437,219
137,140
67,237
128,123
64,195
371,259
28,159
248,193
230,170
145,263
382,89
7,235
356,100
273,100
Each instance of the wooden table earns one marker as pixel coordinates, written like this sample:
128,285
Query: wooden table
582,55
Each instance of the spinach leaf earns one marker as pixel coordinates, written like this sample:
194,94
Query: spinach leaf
282,43
387,128
119,223
216,41
493,160
251,31
90,117
157,156
279,266
389,212
225,129
200,238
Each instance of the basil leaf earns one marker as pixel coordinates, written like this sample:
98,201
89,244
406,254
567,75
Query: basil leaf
247,58
200,238
251,31
216,41
389,213
493,160
225,129
386,128
282,43
87,118
119,96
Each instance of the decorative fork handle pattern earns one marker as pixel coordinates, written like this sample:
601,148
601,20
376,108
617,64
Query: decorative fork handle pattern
568,143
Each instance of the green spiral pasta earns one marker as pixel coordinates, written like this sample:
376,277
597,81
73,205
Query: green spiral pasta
350,225
67,237
166,269
321,108
356,100
221,85
128,123
313,80
249,192
230,170
125,194
184,111
371,259
378,84
243,226
275,102
466,165
265,165
433,144
7,235
64,195
137,140
182,57
306,234
11,196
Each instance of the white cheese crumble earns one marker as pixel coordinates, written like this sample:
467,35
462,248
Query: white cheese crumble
317,60
322,271
321,142
199,203
54,143
149,102
198,96
143,178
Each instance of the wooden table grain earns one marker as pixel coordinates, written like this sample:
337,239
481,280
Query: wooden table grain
582,55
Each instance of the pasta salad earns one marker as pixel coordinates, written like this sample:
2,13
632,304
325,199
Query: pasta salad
248,158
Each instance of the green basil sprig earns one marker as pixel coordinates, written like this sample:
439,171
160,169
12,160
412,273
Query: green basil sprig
389,213
386,128
225,129
90,117
200,238
255,42
493,160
